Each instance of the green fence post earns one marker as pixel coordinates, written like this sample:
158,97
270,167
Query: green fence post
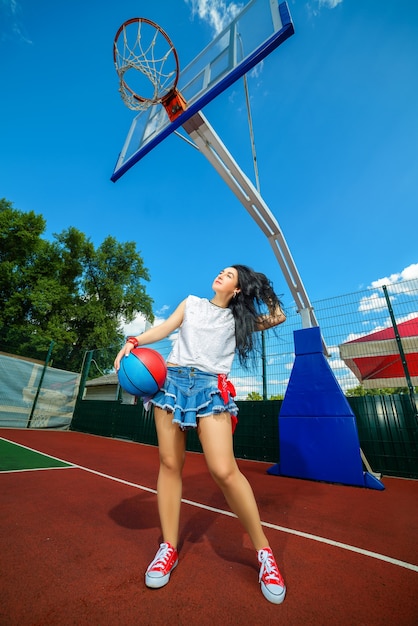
88,357
48,357
264,365
402,354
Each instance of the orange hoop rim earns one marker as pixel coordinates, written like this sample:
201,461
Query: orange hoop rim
116,53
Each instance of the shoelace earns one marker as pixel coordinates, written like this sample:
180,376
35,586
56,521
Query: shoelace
162,557
269,569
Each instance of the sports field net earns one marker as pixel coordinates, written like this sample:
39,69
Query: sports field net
32,395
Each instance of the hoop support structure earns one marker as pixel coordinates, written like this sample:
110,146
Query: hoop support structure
174,104
153,54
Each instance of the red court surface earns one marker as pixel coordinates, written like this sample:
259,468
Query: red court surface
75,543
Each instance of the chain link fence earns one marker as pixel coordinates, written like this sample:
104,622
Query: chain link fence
342,319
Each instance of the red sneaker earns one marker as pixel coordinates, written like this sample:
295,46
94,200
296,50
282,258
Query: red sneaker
272,583
159,570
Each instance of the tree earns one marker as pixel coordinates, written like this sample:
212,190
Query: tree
19,244
66,291
384,391
254,395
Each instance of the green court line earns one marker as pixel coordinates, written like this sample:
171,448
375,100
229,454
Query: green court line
15,457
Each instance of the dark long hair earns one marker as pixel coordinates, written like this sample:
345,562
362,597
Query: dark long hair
256,297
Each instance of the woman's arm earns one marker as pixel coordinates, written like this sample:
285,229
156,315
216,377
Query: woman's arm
154,334
274,318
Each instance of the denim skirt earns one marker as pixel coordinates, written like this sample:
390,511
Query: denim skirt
188,393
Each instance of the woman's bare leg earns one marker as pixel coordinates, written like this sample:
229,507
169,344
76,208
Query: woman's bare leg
215,435
172,446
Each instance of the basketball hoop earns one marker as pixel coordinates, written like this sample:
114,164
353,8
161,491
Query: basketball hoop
142,45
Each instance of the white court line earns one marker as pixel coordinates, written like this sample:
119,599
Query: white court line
291,531
284,529
37,469
37,452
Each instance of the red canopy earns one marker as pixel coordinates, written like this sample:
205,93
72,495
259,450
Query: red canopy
375,358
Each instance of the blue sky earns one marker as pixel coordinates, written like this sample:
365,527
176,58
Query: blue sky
336,132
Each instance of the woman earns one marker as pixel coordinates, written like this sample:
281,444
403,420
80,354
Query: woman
197,395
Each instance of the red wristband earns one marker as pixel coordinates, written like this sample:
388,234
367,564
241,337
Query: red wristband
133,340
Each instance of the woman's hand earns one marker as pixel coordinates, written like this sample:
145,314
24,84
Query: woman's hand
126,350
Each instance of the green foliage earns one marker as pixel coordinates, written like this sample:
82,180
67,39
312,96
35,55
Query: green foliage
65,291
254,395
384,391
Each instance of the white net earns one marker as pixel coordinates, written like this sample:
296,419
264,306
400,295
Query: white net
146,63
27,399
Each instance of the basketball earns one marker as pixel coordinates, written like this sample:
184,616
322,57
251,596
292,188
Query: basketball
143,372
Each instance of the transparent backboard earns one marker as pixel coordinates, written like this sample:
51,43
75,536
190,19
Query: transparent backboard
256,31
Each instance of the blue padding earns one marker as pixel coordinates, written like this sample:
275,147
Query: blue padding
321,448
309,342
317,428
372,482
313,390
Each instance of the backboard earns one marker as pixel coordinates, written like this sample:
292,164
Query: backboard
260,27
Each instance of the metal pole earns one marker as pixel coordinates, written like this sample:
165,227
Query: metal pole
48,357
211,146
264,364
401,353
88,357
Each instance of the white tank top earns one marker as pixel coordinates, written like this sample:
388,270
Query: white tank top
206,339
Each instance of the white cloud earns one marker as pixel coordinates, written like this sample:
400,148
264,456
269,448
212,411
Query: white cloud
314,8
333,352
10,7
216,13
409,273
161,312
349,381
329,4
10,24
243,387
375,302
399,282
403,282
257,70
139,324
